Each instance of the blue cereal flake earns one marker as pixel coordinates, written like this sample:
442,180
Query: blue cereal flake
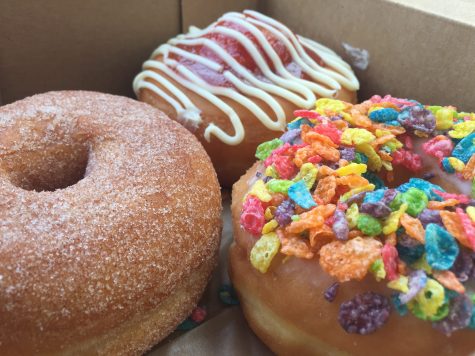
441,248
465,149
360,158
374,179
427,187
375,196
384,115
295,124
299,193
400,308
446,166
409,250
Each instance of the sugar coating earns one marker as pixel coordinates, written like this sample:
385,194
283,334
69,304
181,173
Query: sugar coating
114,244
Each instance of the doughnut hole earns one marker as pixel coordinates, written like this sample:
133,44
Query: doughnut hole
53,159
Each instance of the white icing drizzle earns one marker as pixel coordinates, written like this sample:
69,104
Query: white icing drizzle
277,82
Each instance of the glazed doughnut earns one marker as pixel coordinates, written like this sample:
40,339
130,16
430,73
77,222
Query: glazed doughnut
344,243
110,224
234,83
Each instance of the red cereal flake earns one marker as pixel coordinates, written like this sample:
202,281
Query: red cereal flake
314,159
252,216
330,131
408,142
463,199
440,146
308,114
285,167
349,260
467,226
408,159
390,260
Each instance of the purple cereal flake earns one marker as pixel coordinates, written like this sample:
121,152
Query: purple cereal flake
417,118
283,213
463,267
331,292
389,196
356,198
407,241
428,216
292,137
460,313
347,153
417,281
340,225
364,314
377,209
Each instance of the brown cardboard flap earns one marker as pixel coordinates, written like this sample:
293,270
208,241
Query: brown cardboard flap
201,13
413,53
95,45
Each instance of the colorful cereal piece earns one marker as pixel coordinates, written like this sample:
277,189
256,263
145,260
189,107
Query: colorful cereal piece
270,226
416,118
468,227
471,213
428,302
441,247
265,149
252,216
351,259
300,194
440,146
385,115
352,168
284,167
355,136
259,190
264,251
364,314
369,225
279,185
417,281
392,222
449,281
352,215
352,192
413,227
377,269
400,284
459,316
308,173
444,118
295,246
326,189
284,212
390,259
427,187
465,149
340,225
298,122
374,161
462,129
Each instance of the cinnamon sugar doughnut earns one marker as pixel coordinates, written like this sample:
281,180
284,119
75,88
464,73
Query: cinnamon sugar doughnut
345,240
110,224
234,83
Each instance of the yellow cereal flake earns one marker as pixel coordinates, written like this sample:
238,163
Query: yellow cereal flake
374,161
393,221
355,136
270,226
260,191
264,251
352,168
401,284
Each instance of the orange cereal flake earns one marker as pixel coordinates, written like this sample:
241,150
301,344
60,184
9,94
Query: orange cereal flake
440,205
350,260
454,226
326,189
449,280
413,227
352,181
295,246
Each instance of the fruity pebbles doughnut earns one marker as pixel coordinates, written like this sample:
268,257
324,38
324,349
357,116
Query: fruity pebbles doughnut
355,233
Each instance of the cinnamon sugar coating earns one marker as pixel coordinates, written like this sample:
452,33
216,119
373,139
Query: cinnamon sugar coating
106,206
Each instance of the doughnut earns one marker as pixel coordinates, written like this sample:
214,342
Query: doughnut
354,232
110,224
234,83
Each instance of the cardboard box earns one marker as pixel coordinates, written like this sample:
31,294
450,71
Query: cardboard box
422,49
